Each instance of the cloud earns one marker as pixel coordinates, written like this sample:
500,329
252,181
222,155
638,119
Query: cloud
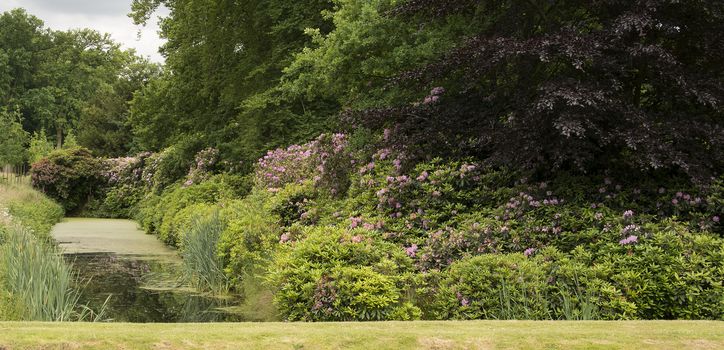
106,16
109,8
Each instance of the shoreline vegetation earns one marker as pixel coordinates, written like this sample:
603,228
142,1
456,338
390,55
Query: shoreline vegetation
36,283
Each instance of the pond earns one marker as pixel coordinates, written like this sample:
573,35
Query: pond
114,258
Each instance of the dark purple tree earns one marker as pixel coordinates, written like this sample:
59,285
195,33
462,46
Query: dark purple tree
570,85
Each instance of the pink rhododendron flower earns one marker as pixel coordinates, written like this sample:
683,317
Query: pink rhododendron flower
411,251
629,240
423,176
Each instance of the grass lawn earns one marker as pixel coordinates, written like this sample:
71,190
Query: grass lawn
376,336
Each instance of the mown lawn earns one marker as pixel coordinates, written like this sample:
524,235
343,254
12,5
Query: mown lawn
376,336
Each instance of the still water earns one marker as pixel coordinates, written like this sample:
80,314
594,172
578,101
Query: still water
114,258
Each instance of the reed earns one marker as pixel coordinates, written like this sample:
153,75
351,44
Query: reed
36,277
202,265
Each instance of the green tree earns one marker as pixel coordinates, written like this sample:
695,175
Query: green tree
104,124
223,61
70,140
62,80
39,147
12,144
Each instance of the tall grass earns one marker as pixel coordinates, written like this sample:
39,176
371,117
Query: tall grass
202,265
36,284
577,306
30,208
37,277
518,304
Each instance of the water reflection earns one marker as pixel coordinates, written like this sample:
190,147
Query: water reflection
144,290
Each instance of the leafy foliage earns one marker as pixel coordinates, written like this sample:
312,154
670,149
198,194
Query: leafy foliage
69,176
69,80
39,147
167,215
335,274
12,145
220,79
574,86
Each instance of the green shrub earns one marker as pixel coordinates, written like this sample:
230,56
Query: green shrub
69,176
670,273
145,212
184,221
251,235
581,290
119,201
493,287
336,274
162,214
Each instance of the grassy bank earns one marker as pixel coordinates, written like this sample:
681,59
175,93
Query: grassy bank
376,335
35,281
29,208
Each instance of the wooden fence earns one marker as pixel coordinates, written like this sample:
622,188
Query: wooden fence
14,174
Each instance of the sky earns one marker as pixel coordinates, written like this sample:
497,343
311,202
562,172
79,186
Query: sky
105,16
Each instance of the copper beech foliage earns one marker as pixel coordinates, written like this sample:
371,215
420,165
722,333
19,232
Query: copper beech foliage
575,85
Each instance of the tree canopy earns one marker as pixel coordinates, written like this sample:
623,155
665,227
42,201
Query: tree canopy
61,81
574,85
224,60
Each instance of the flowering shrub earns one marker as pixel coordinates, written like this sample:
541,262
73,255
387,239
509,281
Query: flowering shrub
424,200
344,232
493,286
339,274
323,161
166,167
123,189
203,166
69,176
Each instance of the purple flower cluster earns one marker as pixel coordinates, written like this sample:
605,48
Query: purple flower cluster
355,222
434,96
630,229
629,240
526,201
282,166
411,251
322,161
463,300
683,198
201,169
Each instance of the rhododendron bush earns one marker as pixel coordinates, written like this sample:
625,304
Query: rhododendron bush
588,232
343,232
324,162
69,176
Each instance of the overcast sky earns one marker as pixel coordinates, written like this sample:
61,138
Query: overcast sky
105,16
